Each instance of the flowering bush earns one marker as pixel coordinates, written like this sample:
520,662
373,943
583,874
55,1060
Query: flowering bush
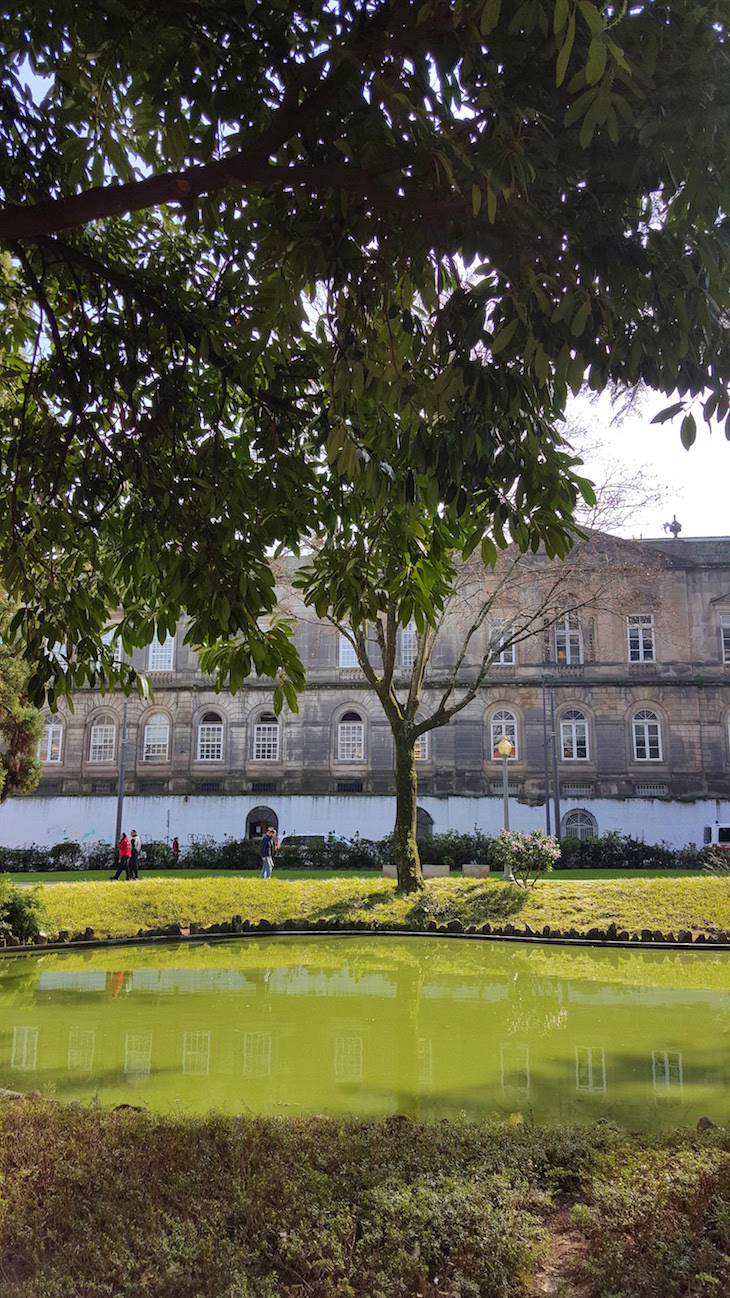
526,855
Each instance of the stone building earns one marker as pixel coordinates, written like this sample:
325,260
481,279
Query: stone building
639,685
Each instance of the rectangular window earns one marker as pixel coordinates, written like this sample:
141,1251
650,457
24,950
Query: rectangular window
515,1068
162,656
348,1059
81,1043
349,786
101,745
568,641
138,1054
156,741
666,1071
503,654
725,638
590,1070
210,742
24,1057
49,748
196,1054
257,1054
420,748
647,745
266,742
350,741
640,633
348,657
408,645
108,638
574,740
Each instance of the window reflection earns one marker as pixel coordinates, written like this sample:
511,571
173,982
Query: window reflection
590,1070
196,1054
348,1059
81,1042
25,1049
138,1054
257,1054
515,1067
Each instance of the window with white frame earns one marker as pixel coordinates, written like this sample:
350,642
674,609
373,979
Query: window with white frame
640,635
420,748
503,654
257,1054
504,723
351,738
725,637
108,638
347,655
81,1043
50,745
590,1070
580,824
647,736
666,1072
162,656
102,739
196,1054
574,736
156,746
266,739
138,1054
408,645
210,738
348,1059
568,641
24,1056
514,1060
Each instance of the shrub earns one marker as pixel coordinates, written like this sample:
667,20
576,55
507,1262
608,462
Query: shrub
526,855
614,851
22,910
101,856
66,856
23,860
156,855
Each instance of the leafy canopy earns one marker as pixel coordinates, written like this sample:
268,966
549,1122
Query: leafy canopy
236,299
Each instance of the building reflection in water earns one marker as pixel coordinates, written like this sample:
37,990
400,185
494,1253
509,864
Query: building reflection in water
429,1028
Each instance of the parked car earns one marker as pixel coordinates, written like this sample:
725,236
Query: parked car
310,840
716,834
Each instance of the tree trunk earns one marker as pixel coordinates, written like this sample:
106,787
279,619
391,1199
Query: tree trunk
405,849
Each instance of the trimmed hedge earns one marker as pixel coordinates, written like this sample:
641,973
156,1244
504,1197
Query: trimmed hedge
612,851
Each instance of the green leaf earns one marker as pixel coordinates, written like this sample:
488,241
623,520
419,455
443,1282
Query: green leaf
580,319
561,66
688,431
560,16
596,62
476,199
505,336
668,413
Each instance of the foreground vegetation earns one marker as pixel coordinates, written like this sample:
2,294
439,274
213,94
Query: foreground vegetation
97,1202
700,905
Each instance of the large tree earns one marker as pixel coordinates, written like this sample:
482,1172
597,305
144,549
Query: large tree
243,237
21,725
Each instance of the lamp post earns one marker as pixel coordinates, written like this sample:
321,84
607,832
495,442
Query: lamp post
505,748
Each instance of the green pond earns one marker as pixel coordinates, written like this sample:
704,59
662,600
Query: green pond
428,1027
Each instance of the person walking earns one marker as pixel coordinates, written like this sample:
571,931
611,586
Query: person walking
124,848
136,845
175,851
266,852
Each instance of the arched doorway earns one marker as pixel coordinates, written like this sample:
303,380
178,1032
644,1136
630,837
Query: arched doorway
424,824
259,819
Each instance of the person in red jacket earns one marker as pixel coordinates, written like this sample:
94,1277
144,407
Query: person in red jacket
124,847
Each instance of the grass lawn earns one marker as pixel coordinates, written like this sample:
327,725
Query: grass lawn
98,1203
100,876
700,904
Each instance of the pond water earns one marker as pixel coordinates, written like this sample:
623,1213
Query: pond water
428,1027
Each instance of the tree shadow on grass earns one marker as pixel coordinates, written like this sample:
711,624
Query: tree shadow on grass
481,904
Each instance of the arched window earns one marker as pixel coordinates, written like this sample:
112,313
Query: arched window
50,746
504,722
647,736
156,744
424,823
210,738
351,738
574,736
102,738
580,824
266,739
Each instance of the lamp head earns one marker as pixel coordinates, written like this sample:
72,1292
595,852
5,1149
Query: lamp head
505,747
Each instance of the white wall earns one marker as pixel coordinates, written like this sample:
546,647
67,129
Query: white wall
87,820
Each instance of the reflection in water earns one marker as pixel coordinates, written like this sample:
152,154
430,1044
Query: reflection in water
430,1028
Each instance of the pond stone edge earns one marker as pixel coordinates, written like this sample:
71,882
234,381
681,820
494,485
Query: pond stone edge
612,937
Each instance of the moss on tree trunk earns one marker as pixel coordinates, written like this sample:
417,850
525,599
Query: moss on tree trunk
405,848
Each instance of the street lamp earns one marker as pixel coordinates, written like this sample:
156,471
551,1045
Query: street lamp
505,748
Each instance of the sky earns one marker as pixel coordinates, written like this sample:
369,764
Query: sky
691,485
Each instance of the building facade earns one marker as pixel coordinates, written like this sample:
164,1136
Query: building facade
635,688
